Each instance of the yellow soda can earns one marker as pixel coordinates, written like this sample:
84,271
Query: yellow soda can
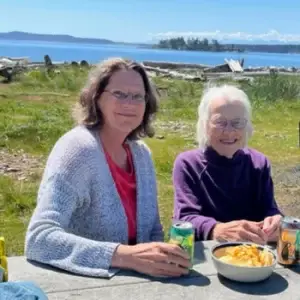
3,261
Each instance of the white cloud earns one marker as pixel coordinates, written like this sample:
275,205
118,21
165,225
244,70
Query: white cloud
272,35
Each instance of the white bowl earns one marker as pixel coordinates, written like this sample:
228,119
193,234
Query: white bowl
241,273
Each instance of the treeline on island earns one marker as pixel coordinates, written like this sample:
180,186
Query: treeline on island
196,44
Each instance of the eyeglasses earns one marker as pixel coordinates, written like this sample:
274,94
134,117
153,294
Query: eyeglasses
237,123
123,97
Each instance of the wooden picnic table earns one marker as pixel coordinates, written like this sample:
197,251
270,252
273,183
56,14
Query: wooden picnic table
202,283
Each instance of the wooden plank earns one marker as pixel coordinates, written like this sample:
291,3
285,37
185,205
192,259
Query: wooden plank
234,65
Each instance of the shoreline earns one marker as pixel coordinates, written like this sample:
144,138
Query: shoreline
176,65
230,69
163,65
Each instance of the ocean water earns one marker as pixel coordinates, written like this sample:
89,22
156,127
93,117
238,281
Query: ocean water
36,50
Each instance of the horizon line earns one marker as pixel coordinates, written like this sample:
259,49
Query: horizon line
217,35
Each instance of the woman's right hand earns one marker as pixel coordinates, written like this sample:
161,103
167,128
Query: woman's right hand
242,230
155,259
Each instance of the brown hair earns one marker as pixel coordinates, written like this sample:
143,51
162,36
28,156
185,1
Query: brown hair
87,112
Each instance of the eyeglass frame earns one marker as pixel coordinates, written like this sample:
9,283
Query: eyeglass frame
231,122
124,98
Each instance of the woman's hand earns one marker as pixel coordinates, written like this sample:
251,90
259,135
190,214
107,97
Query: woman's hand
242,230
155,259
271,227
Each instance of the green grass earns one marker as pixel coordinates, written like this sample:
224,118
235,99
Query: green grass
36,111
16,203
33,125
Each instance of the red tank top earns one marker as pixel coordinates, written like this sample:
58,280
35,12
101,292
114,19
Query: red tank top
126,185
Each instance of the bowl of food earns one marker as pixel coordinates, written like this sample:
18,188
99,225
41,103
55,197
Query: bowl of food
243,262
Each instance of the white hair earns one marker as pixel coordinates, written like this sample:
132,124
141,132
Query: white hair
231,93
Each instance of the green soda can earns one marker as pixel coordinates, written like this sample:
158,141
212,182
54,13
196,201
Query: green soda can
183,234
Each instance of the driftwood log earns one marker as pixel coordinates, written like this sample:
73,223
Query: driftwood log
231,69
6,72
10,67
174,66
174,74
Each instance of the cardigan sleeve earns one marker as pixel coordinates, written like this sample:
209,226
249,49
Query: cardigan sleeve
49,238
157,233
188,200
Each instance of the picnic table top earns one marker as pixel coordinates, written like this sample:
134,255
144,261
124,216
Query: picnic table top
202,283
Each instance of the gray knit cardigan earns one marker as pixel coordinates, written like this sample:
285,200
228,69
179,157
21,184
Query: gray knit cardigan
79,219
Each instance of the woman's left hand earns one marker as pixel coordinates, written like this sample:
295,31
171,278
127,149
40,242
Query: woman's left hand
271,227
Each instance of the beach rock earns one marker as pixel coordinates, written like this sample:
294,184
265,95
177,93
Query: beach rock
84,63
48,61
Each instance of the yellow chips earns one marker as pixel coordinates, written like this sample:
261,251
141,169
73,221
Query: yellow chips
247,256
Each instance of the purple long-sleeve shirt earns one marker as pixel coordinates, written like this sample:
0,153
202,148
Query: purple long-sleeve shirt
211,188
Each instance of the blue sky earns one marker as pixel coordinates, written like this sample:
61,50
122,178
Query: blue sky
148,20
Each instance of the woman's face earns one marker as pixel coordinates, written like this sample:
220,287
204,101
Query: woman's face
227,126
123,102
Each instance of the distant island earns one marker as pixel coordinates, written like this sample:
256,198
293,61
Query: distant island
178,43
195,44
62,38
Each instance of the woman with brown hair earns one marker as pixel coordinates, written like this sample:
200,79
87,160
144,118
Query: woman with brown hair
97,208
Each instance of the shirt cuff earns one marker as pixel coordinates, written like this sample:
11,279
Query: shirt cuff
207,228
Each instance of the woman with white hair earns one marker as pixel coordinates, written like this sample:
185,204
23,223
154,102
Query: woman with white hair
224,188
